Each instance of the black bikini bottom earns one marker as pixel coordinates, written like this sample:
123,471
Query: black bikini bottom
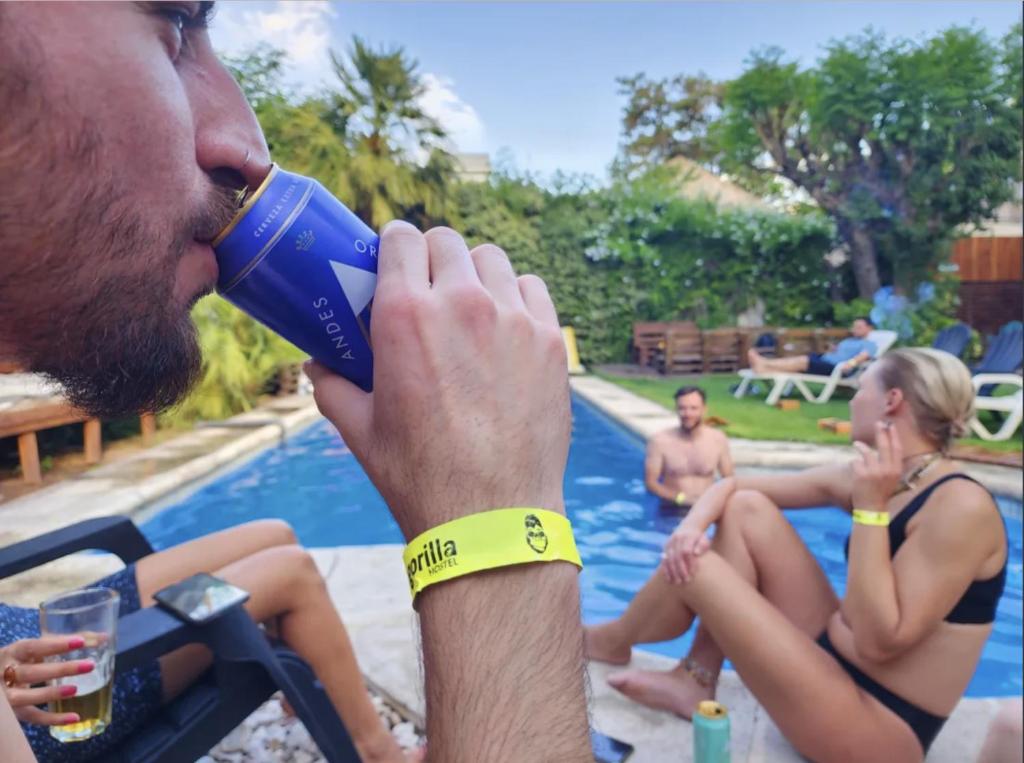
924,725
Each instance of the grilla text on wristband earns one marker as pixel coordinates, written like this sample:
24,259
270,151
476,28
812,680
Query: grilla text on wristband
488,540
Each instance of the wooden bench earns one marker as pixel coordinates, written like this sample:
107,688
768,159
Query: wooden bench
31,415
649,340
722,351
684,349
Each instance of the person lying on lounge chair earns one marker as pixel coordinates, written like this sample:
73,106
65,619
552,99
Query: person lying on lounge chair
286,589
849,353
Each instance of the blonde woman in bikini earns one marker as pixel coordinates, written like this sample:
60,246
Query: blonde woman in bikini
870,676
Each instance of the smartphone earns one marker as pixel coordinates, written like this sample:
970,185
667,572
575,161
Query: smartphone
609,750
200,598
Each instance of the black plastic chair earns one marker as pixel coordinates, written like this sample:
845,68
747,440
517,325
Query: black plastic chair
953,339
247,667
1004,354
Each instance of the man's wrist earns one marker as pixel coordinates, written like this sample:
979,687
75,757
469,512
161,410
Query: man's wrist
428,514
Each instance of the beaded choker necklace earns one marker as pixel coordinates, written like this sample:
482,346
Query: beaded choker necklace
909,480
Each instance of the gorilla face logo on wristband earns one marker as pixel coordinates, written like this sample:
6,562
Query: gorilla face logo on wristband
535,535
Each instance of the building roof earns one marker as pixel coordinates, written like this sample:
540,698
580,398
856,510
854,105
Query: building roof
473,168
695,182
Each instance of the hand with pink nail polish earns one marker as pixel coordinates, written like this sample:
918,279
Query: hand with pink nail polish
22,667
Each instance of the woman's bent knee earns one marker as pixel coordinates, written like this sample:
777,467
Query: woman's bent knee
744,504
297,565
276,532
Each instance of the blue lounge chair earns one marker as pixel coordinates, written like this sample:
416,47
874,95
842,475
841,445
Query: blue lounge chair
953,339
247,667
1004,354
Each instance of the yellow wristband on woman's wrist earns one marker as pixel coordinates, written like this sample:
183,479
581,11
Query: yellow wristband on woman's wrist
485,541
873,518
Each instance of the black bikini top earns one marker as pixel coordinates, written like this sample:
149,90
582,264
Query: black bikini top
978,604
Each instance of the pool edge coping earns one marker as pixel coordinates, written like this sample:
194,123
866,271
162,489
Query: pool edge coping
102,492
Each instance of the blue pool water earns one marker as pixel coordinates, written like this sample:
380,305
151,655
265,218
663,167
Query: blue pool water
317,485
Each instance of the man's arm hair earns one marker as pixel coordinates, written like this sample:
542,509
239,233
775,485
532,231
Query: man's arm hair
507,677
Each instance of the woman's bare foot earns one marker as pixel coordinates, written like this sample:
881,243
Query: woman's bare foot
599,643
674,690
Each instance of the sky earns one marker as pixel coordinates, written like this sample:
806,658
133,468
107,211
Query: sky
533,83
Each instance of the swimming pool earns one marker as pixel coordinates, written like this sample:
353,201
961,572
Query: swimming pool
317,485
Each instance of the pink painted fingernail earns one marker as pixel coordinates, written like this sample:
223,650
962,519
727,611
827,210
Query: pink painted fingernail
86,666
68,691
71,718
76,643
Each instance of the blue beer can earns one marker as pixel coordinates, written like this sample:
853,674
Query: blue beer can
711,733
297,260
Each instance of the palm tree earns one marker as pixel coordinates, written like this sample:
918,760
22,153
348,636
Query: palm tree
398,164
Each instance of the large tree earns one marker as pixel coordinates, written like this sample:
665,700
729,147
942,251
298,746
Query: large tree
900,142
667,118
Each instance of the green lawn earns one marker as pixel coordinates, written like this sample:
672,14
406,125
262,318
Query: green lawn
751,418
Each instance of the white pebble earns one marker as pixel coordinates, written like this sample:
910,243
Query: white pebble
298,737
236,741
405,734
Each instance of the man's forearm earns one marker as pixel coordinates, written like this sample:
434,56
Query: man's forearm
503,660
662,491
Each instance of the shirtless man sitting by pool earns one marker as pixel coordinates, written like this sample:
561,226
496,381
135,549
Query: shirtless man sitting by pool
681,462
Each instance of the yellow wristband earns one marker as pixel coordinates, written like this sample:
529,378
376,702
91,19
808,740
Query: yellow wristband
874,518
484,541
680,498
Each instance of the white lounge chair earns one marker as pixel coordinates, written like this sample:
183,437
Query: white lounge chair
1010,405
883,340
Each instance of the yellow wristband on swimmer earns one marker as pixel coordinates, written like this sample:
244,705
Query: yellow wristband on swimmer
873,518
680,498
485,541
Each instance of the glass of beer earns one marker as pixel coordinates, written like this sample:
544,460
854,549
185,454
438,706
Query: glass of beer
92,614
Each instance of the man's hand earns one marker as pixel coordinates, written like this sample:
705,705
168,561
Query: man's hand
470,412
470,408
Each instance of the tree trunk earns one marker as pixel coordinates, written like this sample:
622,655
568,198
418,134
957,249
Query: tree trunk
863,259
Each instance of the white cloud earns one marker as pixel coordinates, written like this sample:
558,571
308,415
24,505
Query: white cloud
460,120
302,28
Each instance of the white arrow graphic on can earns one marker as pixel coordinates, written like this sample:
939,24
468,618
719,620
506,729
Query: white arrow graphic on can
357,284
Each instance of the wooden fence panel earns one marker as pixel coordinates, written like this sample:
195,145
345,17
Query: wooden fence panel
992,258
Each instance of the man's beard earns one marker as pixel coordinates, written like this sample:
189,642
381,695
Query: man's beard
126,364
114,338
129,346
91,304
